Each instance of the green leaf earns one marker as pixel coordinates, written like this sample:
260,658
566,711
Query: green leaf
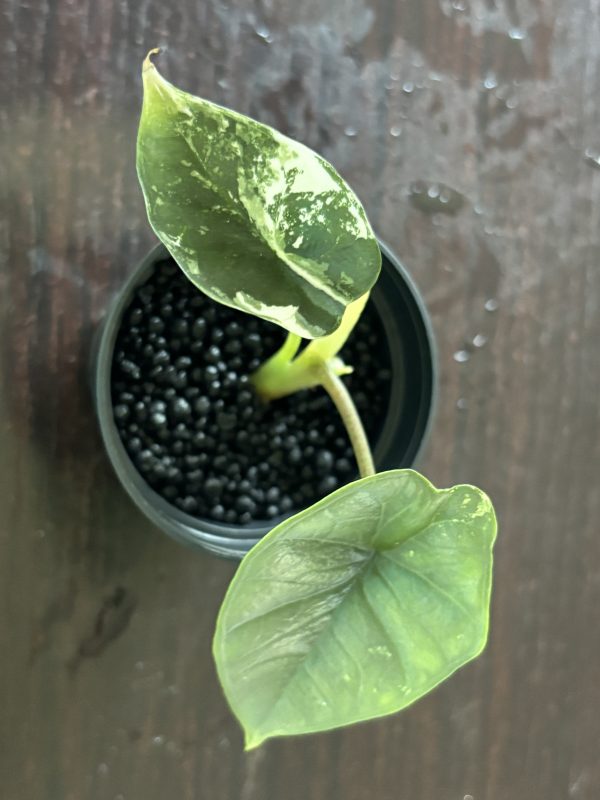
256,220
357,606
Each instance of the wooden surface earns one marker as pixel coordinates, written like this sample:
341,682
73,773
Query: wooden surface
108,687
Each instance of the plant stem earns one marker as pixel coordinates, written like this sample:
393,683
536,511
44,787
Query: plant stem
329,346
280,374
340,395
284,373
319,364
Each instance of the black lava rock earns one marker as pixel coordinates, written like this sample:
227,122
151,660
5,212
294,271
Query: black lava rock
193,426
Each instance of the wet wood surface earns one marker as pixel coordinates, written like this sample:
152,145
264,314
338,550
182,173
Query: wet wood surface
471,131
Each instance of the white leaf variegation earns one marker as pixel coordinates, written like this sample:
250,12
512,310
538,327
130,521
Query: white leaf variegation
256,220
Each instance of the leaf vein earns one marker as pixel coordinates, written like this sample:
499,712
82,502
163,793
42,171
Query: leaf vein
436,587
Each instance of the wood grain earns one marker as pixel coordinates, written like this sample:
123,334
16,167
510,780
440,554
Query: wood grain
109,691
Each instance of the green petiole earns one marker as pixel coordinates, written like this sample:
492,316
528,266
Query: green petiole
319,365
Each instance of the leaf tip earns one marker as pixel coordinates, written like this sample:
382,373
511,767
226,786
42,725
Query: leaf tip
252,741
148,63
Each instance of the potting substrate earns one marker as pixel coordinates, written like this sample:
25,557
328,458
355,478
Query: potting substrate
196,430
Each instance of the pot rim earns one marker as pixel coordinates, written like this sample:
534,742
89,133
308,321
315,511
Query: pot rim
425,321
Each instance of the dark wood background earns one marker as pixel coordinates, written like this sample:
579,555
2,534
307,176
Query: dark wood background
108,690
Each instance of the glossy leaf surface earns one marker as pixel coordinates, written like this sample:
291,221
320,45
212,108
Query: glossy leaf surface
256,220
357,606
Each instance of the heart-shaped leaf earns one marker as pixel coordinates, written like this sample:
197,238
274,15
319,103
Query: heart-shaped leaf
357,606
256,220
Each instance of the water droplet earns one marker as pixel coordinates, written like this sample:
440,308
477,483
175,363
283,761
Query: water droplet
468,797
103,769
512,102
408,87
462,404
410,553
492,304
158,740
223,83
346,678
459,5
350,131
479,340
490,81
263,32
592,157
478,209
435,199
517,34
435,76
461,356
395,131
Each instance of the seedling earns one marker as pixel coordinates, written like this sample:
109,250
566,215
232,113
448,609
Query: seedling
359,605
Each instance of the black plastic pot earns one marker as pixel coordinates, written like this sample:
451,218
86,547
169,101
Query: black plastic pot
410,341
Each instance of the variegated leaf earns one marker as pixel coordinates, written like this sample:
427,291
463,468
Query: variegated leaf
256,220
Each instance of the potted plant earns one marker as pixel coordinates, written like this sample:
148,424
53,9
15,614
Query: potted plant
215,414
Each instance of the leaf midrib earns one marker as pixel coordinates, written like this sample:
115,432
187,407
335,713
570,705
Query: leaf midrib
355,580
